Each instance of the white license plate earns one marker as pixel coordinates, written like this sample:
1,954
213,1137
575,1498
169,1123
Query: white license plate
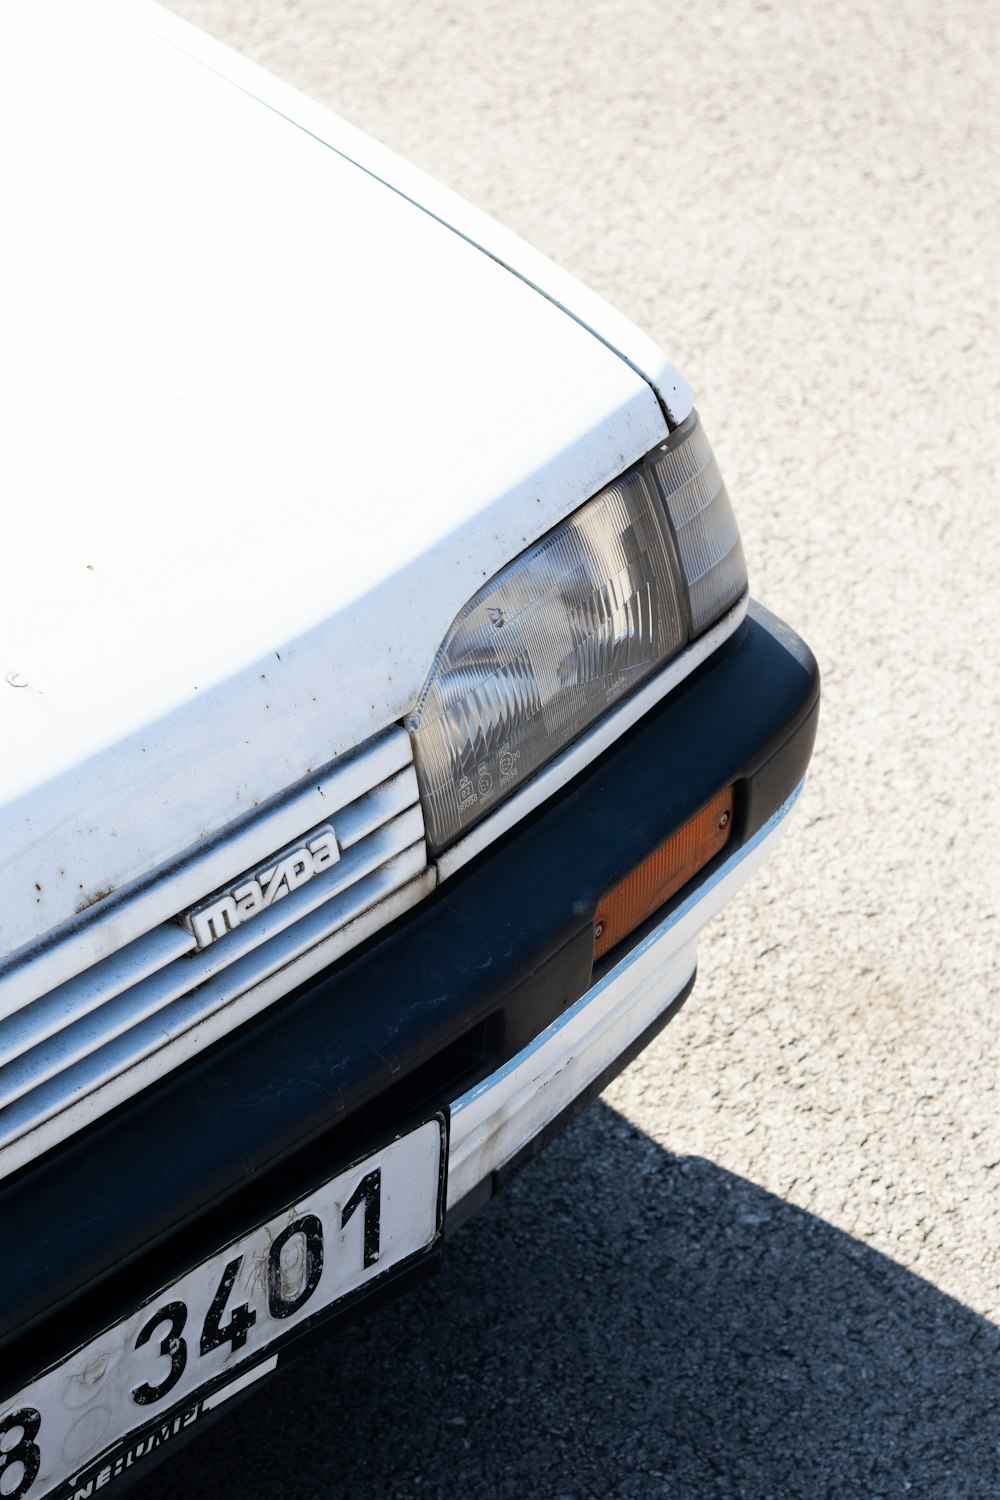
105,1408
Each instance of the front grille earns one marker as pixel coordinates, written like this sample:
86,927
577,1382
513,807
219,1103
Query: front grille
104,1009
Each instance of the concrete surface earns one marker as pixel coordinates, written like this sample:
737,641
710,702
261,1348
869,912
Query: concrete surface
766,1264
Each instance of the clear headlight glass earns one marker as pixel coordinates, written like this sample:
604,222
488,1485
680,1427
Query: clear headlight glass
542,651
570,627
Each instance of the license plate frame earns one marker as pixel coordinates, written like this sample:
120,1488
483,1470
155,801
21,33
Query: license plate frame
208,1334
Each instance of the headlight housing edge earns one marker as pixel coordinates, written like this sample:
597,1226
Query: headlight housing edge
571,626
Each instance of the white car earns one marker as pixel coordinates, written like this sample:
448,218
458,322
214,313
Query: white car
383,713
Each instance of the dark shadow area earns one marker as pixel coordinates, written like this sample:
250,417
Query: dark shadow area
625,1323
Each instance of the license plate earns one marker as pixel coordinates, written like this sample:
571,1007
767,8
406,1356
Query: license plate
214,1331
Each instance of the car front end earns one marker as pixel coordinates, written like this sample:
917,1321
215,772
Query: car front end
386,715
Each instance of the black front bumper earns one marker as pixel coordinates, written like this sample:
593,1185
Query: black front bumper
444,997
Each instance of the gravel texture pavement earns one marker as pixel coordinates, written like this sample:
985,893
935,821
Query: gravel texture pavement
765,1265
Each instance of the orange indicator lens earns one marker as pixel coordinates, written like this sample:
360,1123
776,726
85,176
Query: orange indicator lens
662,875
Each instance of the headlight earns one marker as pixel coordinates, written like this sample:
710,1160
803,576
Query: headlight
569,628
702,521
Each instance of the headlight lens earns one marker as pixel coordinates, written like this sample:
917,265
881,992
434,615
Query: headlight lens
569,628
702,522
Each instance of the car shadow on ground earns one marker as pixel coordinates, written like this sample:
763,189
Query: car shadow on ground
626,1323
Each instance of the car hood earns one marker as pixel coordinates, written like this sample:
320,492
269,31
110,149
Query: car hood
268,426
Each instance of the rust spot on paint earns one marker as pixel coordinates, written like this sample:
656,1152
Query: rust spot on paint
90,901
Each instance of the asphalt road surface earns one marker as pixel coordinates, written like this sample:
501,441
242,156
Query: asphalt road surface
765,1265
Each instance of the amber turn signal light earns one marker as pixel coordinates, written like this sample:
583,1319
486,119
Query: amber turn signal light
662,875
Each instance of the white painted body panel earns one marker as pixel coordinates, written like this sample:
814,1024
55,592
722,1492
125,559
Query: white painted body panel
592,311
498,1117
267,427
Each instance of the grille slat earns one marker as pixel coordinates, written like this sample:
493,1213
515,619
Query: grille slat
177,885
99,1065
128,1009
375,809
74,1052
78,997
